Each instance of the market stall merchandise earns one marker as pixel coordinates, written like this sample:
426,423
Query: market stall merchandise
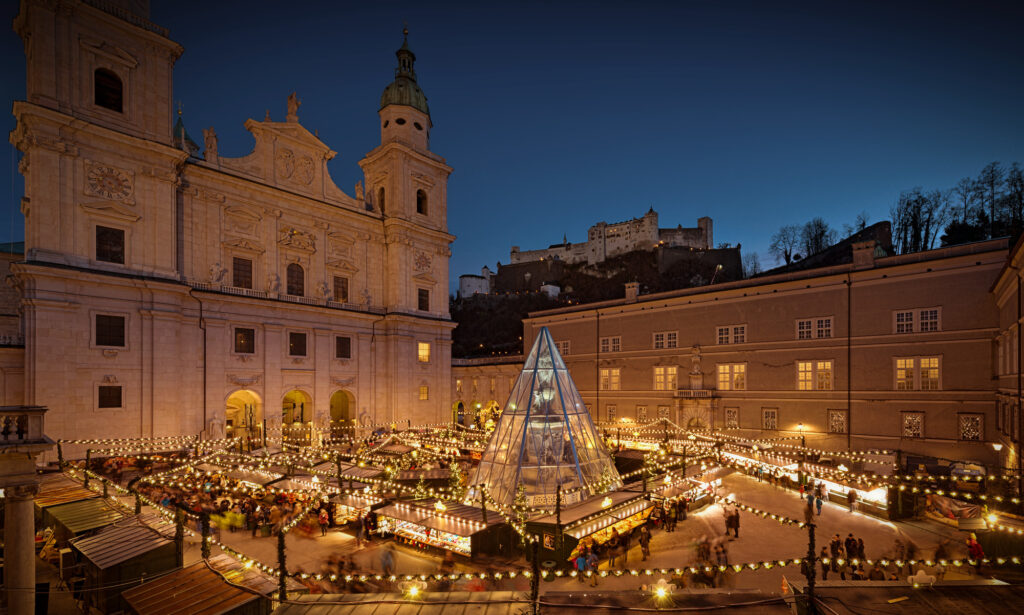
348,508
589,522
450,526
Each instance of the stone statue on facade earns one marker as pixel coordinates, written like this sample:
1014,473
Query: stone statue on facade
217,273
210,143
695,359
323,290
274,285
359,191
293,107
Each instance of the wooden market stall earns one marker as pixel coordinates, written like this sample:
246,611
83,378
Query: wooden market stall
590,521
77,518
349,507
117,557
432,524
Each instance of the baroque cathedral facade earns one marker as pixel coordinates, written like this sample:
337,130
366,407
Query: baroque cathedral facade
168,290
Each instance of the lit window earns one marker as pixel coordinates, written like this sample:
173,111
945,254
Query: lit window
424,392
823,375
971,427
913,424
929,373
732,377
610,379
904,374
769,418
423,353
665,377
804,375
340,289
458,386
918,374
611,411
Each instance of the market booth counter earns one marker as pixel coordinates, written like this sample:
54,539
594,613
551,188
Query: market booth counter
450,526
348,508
117,557
590,521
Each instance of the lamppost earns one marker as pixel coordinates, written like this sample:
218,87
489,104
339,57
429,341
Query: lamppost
803,451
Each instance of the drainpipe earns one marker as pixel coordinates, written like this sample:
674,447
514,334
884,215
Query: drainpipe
849,361
1020,411
202,325
597,363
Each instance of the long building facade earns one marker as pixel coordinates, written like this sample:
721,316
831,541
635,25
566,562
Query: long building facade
886,352
166,290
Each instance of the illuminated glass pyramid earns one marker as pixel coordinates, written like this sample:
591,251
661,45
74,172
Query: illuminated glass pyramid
545,437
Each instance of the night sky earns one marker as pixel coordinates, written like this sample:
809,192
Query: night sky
556,115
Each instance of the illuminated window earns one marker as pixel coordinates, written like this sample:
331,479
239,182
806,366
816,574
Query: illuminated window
611,344
610,379
245,340
918,374
611,409
458,386
913,424
838,421
904,374
732,376
665,377
823,375
804,375
340,289
929,373
424,392
423,352
769,418
971,427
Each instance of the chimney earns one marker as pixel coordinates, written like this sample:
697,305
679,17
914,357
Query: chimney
864,254
632,290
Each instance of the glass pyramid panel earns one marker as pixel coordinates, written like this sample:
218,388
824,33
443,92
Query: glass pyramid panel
544,438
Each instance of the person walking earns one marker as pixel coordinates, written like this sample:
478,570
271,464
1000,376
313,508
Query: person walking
834,547
824,565
645,542
852,498
612,546
860,549
850,544
581,564
818,503
322,518
685,507
736,522
387,561
592,568
975,552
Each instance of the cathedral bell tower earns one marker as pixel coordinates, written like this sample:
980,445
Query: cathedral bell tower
407,186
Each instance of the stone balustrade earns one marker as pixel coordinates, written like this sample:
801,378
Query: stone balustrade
21,425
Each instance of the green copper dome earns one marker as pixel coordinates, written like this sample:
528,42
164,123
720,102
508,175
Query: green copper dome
404,90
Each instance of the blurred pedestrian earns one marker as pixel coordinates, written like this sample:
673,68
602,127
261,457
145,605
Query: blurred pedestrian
645,542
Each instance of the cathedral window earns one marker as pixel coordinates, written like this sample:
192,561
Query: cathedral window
108,90
110,330
245,340
110,245
341,289
342,347
296,280
241,272
109,397
421,202
423,299
296,344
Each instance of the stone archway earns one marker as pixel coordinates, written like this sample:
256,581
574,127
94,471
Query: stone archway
243,415
459,413
343,405
296,407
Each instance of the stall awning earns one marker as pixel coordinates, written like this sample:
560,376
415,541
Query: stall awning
435,474
57,489
612,517
395,449
428,603
118,543
458,527
591,506
85,515
356,501
296,483
256,478
195,589
402,513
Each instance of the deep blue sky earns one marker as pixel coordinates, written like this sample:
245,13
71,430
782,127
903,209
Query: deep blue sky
556,115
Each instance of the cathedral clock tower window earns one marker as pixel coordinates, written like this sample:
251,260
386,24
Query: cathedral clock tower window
421,202
110,245
108,90
423,295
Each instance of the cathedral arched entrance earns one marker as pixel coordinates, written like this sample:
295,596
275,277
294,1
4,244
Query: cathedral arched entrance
459,413
244,417
296,412
342,408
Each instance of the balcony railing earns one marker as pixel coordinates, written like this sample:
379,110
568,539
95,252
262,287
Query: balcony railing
21,425
12,340
694,393
262,294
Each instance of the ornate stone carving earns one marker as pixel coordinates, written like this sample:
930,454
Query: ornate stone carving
343,382
244,381
293,107
359,191
210,143
284,163
695,360
304,170
110,353
109,379
421,261
217,273
244,245
300,240
274,284
323,291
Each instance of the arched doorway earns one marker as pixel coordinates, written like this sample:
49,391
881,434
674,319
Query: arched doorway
342,408
459,413
244,416
296,407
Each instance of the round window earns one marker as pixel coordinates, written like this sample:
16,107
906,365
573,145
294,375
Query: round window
386,122
417,125
400,121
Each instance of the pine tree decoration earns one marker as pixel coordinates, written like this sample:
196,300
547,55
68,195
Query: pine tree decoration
520,510
455,481
421,489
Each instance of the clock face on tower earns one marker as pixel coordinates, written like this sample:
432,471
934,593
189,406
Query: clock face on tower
109,182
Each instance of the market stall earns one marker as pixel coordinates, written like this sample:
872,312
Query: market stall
76,518
590,522
348,508
450,526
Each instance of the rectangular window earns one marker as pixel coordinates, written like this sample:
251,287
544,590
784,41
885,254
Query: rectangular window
838,421
245,340
734,334
110,396
110,245
913,424
918,374
424,392
929,320
611,409
611,344
296,344
342,347
769,418
241,272
665,377
732,418
824,327
110,330
664,412
804,375
610,379
340,289
423,355
823,375
562,347
458,386
971,427
810,328
732,376
904,322
641,413
804,329
423,298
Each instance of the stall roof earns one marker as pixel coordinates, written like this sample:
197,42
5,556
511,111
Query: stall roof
412,515
348,469
57,489
356,501
196,589
257,478
452,526
395,449
462,511
590,506
614,516
435,474
119,542
85,515
429,603
296,483
207,467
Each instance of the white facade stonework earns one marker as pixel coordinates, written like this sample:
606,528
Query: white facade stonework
214,249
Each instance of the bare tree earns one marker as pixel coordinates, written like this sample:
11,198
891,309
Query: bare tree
784,243
991,181
751,265
815,236
966,194
1014,198
859,224
918,218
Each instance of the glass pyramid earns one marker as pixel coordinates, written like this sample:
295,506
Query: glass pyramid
545,437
